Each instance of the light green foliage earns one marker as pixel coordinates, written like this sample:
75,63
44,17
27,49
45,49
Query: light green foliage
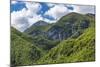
22,51
79,46
81,49
38,28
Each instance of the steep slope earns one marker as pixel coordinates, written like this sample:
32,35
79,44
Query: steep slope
22,35
23,52
38,35
71,39
71,24
40,23
38,28
81,49
44,43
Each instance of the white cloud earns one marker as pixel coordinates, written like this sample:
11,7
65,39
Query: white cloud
49,21
57,11
84,9
13,2
87,9
24,18
60,10
34,19
33,8
18,20
51,4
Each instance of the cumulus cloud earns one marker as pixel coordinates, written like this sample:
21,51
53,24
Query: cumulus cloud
87,9
33,8
84,9
18,20
51,4
60,10
34,19
57,11
24,18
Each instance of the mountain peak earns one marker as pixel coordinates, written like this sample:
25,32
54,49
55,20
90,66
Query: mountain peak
90,14
73,13
40,23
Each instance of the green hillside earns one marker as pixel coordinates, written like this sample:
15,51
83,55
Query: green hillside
38,28
23,52
71,25
70,39
22,35
44,43
81,49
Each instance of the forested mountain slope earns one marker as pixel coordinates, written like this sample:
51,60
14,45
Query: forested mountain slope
23,52
81,49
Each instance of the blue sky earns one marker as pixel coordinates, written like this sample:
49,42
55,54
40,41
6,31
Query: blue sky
17,6
24,14
44,7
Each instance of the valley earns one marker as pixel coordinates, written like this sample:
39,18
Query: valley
70,39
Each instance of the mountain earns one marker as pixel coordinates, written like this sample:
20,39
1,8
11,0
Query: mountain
38,35
70,39
38,32
91,15
23,52
38,28
81,49
40,23
68,25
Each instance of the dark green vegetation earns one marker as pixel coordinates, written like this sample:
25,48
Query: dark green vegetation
23,52
72,50
70,39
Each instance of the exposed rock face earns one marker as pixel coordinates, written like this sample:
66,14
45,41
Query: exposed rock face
71,25
66,30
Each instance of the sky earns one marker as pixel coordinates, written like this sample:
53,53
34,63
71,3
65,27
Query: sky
24,14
